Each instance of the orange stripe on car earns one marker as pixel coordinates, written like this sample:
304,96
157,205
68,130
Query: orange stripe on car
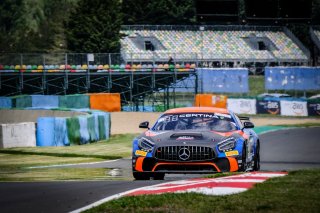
233,164
139,164
210,164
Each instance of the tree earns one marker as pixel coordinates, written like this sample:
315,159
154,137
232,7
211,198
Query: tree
94,26
159,12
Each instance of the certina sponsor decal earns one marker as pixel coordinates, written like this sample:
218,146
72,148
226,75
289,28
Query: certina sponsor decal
215,115
185,138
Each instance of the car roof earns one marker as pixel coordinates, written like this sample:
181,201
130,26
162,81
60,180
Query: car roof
197,109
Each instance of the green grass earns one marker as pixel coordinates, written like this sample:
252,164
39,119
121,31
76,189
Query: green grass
297,192
15,161
117,146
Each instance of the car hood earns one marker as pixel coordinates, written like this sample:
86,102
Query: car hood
180,138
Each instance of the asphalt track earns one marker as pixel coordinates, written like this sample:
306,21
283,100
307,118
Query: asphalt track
288,149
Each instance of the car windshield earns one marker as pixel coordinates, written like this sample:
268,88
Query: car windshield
196,121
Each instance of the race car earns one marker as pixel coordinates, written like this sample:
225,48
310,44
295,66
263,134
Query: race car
195,140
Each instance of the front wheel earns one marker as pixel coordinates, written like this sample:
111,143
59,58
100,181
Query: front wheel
141,176
256,163
243,167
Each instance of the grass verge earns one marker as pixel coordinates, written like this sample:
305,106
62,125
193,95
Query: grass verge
117,146
14,161
297,192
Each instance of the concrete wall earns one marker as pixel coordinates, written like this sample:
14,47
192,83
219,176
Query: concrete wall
17,135
18,116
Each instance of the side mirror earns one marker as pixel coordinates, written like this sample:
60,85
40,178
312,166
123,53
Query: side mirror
248,124
144,125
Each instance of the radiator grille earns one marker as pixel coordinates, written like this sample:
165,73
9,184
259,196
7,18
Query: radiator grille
184,153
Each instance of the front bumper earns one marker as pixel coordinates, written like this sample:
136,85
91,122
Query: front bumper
153,165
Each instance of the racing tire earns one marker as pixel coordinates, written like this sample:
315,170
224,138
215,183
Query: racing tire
158,176
256,162
243,167
141,176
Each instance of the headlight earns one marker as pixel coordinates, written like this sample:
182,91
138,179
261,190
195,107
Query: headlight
227,144
145,144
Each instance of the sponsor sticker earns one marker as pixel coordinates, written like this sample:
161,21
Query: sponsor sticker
232,153
141,153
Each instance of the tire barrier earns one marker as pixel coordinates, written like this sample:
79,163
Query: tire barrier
108,102
79,130
5,103
74,101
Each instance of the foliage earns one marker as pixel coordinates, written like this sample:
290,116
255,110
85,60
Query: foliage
94,26
170,12
32,25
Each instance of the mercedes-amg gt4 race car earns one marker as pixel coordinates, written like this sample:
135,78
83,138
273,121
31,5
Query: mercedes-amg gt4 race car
195,140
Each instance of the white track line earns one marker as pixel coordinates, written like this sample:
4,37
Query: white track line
72,164
215,191
112,197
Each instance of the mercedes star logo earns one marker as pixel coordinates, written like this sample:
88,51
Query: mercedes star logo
184,153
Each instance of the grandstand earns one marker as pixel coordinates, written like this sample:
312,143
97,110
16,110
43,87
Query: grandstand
234,44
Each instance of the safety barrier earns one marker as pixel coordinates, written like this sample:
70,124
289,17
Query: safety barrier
211,100
5,102
52,131
17,135
36,101
276,106
292,78
74,101
109,102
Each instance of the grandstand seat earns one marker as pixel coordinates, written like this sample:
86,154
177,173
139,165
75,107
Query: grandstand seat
17,67
122,67
133,67
127,67
1,67
150,67
106,66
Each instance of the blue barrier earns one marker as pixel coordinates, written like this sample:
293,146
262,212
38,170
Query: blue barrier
45,101
5,102
60,132
232,80
84,133
292,78
45,133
